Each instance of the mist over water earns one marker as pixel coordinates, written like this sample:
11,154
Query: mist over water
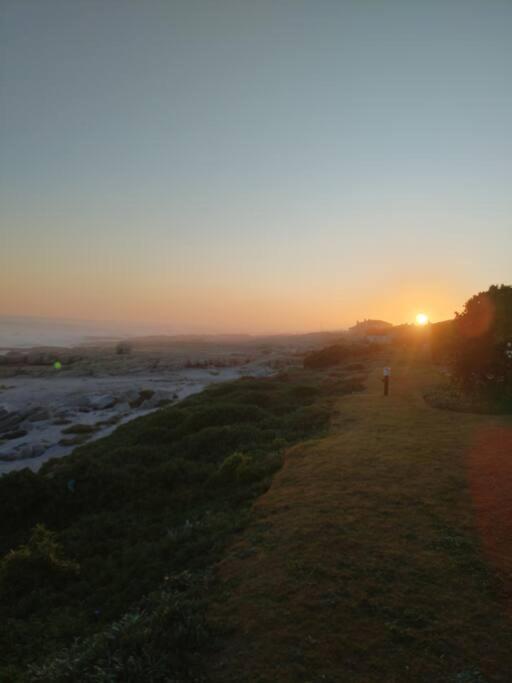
25,332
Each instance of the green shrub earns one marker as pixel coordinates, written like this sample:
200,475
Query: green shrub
157,641
23,494
226,414
325,358
238,467
34,566
161,495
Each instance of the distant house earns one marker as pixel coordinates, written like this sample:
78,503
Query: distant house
372,331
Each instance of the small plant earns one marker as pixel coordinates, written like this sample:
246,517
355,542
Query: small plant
237,467
35,565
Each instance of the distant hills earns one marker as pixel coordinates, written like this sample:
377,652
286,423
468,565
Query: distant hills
370,327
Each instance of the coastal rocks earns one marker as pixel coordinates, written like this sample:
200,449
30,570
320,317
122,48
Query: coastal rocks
31,451
39,357
11,421
130,396
16,434
37,414
12,358
26,452
103,402
46,416
123,408
82,402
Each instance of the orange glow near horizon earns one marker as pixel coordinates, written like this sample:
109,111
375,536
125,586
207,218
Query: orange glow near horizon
204,306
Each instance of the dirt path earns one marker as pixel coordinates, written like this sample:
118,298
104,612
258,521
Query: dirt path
381,552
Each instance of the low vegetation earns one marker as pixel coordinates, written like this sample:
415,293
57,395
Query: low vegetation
79,429
338,354
107,552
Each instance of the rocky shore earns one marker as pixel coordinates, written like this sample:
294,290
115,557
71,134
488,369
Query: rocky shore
46,417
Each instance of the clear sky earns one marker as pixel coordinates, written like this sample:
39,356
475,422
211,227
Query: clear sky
279,165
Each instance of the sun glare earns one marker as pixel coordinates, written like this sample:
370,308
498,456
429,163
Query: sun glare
421,319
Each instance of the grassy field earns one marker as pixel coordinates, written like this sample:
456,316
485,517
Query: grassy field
381,553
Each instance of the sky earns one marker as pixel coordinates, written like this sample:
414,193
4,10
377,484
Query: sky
284,165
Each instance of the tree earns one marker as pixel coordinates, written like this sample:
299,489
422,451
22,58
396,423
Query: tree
482,341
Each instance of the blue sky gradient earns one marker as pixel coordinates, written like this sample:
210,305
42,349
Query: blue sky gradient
263,166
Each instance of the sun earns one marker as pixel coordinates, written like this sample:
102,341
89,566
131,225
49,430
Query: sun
421,319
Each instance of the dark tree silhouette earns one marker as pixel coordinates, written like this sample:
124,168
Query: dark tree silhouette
482,341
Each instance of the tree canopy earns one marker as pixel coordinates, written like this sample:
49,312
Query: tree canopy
482,340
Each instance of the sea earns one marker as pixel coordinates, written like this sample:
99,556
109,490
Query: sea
23,332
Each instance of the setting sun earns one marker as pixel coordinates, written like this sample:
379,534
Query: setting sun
421,319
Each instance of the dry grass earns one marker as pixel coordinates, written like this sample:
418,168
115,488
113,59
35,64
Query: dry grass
381,552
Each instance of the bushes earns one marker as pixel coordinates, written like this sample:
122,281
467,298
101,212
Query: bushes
226,414
325,358
36,565
156,642
159,496
338,353
238,467
23,494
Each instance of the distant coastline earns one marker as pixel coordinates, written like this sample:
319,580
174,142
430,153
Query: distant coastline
25,332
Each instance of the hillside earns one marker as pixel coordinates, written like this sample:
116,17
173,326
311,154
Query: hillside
382,552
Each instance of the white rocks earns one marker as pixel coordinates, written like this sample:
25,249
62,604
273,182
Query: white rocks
130,396
82,401
26,452
32,451
37,414
103,402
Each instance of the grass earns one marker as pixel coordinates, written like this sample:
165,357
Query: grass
144,514
381,553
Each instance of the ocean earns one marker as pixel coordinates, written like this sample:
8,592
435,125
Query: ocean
17,332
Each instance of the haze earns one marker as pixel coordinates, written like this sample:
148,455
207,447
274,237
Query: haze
253,167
